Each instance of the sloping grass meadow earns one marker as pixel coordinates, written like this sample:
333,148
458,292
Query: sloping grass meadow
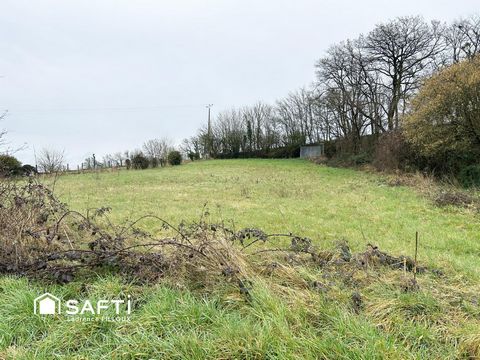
174,321
326,204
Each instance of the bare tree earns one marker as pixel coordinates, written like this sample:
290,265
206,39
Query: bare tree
469,30
400,51
347,92
119,158
3,132
50,160
108,161
191,147
88,163
454,40
158,149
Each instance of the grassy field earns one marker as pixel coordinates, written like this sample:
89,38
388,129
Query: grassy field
326,204
279,196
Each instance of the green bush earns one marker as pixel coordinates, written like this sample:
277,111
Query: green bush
443,123
360,159
140,161
9,166
193,156
174,157
469,176
29,170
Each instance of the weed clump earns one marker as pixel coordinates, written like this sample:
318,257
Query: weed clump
456,198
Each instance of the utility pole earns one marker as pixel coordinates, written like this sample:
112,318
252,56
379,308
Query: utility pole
35,156
209,131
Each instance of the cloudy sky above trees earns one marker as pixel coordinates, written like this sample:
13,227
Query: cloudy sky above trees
104,76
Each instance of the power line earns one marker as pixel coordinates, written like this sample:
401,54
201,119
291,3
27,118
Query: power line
106,108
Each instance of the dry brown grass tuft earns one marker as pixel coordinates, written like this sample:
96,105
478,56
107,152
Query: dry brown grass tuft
456,198
470,346
441,194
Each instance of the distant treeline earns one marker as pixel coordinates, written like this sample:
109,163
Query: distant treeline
363,87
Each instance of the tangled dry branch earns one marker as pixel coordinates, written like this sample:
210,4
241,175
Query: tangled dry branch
41,238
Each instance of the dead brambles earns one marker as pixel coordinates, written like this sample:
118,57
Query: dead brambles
456,198
41,238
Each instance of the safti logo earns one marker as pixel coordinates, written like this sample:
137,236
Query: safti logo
48,304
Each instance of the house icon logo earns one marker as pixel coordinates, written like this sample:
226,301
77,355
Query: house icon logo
46,304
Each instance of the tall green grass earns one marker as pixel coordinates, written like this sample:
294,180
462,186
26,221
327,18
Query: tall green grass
178,324
172,321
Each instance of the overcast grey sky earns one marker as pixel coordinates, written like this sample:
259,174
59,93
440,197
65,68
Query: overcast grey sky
103,76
